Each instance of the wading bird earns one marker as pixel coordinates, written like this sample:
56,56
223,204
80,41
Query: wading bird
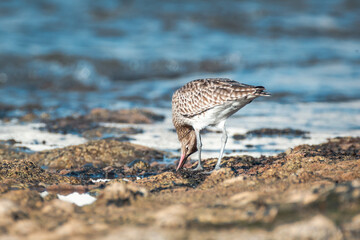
207,102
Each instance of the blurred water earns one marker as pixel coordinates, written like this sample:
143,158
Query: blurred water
68,57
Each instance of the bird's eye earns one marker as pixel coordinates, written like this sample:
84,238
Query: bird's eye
187,147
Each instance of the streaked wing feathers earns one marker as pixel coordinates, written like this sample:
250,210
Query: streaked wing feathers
200,95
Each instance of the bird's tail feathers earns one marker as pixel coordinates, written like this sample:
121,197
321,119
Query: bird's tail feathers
260,91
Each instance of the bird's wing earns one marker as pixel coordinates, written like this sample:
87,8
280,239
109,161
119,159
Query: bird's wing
201,95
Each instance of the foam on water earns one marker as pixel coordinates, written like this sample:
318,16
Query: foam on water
30,136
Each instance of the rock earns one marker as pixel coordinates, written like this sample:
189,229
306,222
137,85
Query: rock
307,196
30,174
264,132
23,113
88,172
5,109
10,237
55,213
119,194
239,136
6,185
29,117
65,187
164,181
70,125
9,211
58,208
110,132
43,235
230,234
355,183
100,153
351,229
172,216
90,127
26,199
72,228
138,165
25,227
235,180
318,227
308,163
217,177
276,197
244,198
124,116
9,152
288,151
143,233
276,132
247,215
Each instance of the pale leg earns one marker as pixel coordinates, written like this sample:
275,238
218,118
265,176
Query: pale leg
223,143
198,145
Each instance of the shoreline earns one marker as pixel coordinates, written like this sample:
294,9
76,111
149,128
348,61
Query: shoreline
292,192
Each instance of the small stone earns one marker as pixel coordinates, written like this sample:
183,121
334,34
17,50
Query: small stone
28,172
352,228
25,227
304,197
72,228
355,183
218,176
342,189
28,117
138,165
26,198
8,210
288,151
244,198
120,194
172,217
58,208
318,227
234,180
239,136
144,233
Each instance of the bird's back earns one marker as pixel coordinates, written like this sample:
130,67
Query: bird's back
201,95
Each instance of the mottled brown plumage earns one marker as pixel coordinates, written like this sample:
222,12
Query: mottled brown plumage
205,102
200,95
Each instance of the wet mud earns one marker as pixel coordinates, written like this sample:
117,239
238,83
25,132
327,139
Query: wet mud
308,192
89,126
78,124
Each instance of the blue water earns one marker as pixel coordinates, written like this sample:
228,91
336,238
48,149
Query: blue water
71,56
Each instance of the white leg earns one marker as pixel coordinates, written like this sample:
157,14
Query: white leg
198,145
223,143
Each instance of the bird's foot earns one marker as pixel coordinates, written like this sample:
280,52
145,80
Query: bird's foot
215,169
198,168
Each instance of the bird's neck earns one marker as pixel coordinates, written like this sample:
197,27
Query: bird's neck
183,131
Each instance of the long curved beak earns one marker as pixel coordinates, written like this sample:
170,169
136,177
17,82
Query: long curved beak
181,162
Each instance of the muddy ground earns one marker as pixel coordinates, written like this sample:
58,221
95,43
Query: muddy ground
309,192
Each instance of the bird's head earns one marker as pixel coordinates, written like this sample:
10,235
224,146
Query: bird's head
187,139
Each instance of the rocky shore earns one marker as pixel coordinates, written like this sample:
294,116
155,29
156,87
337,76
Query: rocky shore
308,192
